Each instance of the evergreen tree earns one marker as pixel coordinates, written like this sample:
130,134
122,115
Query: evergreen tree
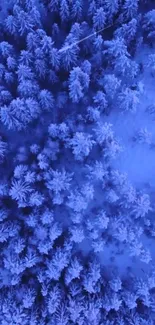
78,83
92,8
81,145
126,67
46,100
91,278
11,25
77,8
100,101
77,202
64,10
130,9
6,49
142,206
99,19
116,48
104,133
111,8
127,31
58,181
24,21
149,23
54,5
75,90
19,113
69,55
128,100
19,190
73,271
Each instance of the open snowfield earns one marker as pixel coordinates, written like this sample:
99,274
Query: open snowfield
138,160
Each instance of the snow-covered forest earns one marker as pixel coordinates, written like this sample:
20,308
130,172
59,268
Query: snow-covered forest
77,162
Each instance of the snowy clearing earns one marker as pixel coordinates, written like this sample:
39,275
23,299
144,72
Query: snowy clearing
137,160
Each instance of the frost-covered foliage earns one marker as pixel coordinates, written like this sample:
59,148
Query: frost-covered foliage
64,208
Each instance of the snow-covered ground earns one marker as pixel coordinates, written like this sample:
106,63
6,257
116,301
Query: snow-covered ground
137,160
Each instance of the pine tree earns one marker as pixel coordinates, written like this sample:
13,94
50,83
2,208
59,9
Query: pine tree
76,12
11,63
112,86
46,44
102,220
54,5
11,25
59,261
93,114
9,78
75,91
73,271
128,100
25,23
149,23
98,43
116,48
69,55
32,41
142,206
130,299
130,9
111,302
124,66
92,8
91,277
99,19
127,31
75,309
115,284
24,73
19,190
64,10
143,136
104,133
145,256
36,199
3,149
100,101
19,113
2,71
111,8
77,202
55,231
54,299
58,181
86,67
5,97
41,68
77,234
29,297
78,83
92,311
28,88
81,145
20,171
46,100
6,49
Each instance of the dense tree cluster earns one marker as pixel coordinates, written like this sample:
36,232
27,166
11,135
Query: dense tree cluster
64,66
